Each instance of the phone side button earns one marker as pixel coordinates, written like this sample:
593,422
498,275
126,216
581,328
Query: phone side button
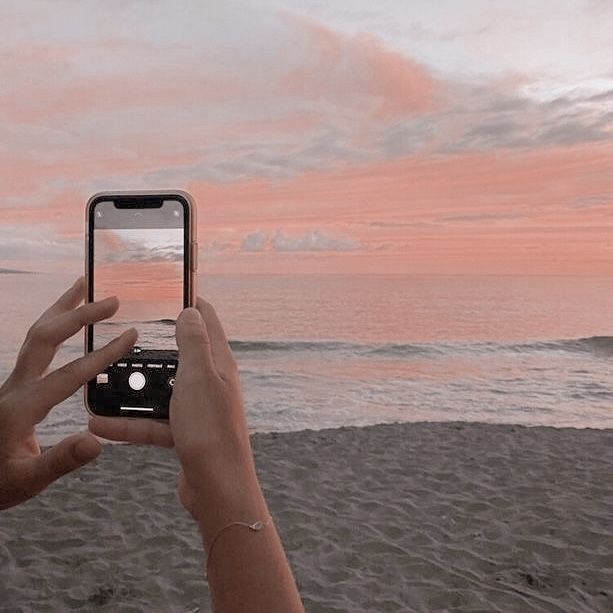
194,256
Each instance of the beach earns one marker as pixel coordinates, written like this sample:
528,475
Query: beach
395,517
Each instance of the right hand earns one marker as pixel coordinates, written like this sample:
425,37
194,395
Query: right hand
207,418
218,483
207,425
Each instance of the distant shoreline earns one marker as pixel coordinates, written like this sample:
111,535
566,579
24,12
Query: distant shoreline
14,271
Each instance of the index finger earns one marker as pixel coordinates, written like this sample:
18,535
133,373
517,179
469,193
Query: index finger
45,337
65,381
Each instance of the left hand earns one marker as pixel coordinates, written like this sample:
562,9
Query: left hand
29,394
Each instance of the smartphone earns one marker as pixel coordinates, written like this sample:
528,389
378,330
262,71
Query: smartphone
142,248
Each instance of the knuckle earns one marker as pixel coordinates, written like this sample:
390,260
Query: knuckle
73,375
82,315
26,485
194,328
31,330
105,355
229,375
191,378
62,461
56,463
38,332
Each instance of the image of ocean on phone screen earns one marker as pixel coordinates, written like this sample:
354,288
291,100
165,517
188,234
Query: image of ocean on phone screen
156,334
318,351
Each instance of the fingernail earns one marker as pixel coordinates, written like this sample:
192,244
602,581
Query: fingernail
107,299
126,333
129,332
191,315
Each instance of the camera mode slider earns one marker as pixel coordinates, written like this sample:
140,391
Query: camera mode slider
145,365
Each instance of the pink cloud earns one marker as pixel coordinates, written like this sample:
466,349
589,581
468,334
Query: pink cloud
358,72
503,212
516,211
96,94
292,242
138,115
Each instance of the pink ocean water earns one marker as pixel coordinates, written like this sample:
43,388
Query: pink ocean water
329,350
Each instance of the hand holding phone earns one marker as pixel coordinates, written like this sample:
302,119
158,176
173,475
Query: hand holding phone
207,425
140,247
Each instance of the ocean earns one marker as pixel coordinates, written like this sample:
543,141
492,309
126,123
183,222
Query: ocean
320,351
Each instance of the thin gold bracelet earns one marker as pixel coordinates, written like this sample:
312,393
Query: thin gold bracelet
254,527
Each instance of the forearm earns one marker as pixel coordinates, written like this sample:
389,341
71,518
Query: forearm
248,571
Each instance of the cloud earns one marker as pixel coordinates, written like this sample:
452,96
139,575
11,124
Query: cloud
132,252
416,189
222,93
497,206
591,201
389,224
500,115
133,246
215,247
357,72
165,103
278,121
606,96
314,240
407,137
469,217
255,241
18,242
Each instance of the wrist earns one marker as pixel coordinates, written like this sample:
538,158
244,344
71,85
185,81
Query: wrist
223,490
237,501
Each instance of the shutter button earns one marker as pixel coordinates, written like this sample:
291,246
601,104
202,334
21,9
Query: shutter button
137,381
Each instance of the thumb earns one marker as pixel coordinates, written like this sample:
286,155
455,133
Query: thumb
68,455
193,342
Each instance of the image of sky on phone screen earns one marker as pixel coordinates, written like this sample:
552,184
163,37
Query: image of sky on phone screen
138,256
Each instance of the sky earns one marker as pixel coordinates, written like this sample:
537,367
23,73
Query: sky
342,136
143,267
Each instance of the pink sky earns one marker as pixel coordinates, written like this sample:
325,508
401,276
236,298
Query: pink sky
317,139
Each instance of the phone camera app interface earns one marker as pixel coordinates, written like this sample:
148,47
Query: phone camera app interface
139,257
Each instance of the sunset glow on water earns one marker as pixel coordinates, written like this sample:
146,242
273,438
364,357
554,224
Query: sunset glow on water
321,351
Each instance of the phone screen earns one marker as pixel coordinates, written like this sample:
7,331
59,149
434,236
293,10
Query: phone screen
137,252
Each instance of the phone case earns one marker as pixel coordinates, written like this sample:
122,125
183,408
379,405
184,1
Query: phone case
192,252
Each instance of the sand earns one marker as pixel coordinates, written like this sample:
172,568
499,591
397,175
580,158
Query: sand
411,517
